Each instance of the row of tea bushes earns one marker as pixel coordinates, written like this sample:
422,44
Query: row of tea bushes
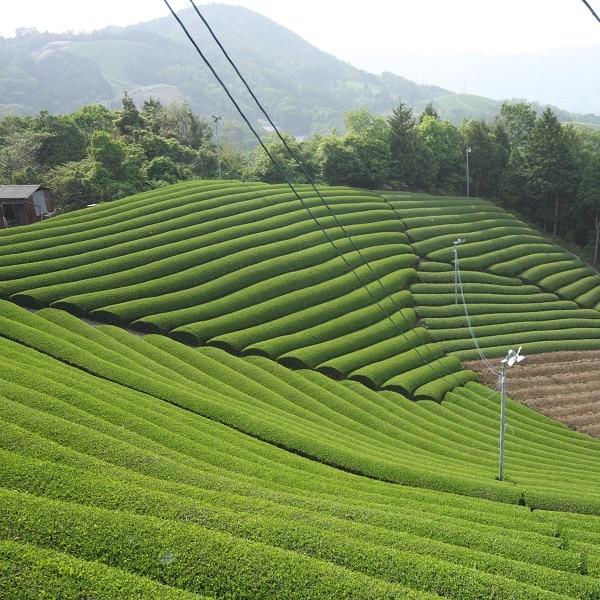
513,286
317,281
30,571
119,481
268,401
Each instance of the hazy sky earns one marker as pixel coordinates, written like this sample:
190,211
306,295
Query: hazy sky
367,34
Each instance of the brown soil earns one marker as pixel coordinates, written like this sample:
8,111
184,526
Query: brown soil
561,385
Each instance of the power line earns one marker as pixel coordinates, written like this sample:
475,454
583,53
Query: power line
459,286
591,10
306,175
286,179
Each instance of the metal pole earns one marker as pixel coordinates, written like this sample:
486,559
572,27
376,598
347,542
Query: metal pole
467,152
455,273
502,419
216,120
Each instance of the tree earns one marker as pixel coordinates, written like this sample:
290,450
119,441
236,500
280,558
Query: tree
589,194
19,148
338,162
550,169
61,140
72,185
117,167
285,167
429,111
487,159
129,119
91,118
163,169
443,158
189,129
407,153
517,120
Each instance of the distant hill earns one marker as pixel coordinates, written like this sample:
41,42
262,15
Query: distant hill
565,76
304,90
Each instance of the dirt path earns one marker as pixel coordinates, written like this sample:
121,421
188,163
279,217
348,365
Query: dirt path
561,385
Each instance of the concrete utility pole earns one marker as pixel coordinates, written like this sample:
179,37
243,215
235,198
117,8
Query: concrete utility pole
216,120
511,358
467,152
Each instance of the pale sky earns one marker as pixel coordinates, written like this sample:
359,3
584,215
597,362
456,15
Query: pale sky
369,35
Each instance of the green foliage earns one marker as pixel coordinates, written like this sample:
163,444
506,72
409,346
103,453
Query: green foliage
28,571
366,470
139,465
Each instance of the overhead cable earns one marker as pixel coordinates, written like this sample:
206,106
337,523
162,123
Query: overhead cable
591,10
284,175
308,178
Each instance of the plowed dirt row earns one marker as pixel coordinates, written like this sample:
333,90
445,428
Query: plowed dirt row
561,385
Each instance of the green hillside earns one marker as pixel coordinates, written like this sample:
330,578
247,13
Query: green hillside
269,401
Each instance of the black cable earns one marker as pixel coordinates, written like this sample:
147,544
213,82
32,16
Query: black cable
284,175
306,175
286,179
591,10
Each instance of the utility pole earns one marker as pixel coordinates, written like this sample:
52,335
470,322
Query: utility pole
467,152
511,358
216,120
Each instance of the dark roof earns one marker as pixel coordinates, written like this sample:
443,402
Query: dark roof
18,192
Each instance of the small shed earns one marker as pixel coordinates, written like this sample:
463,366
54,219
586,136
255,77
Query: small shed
24,204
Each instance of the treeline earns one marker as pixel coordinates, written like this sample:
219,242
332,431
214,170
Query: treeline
532,164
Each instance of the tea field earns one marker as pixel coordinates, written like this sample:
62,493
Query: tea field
228,390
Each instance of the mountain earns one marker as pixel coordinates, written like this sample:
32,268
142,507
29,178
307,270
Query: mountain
573,84
304,90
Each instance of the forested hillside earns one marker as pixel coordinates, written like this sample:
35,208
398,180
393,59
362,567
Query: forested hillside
546,171
305,90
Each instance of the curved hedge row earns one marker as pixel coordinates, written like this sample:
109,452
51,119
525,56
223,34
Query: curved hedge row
138,461
517,287
245,267
192,472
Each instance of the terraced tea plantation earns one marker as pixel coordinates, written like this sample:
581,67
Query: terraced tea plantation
271,401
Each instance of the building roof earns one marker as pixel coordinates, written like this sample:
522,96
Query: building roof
18,192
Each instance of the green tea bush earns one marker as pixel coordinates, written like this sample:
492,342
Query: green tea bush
549,339
377,373
447,276
170,275
361,327
187,556
562,278
407,382
28,571
577,289
474,299
531,318
476,289
474,232
340,366
538,273
234,273
455,309
460,227
586,327
313,300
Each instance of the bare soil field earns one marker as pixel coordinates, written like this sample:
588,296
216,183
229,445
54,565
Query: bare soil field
561,385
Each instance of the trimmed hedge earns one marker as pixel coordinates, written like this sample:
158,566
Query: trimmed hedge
28,571
342,365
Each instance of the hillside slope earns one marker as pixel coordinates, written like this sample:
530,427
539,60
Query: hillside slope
135,465
142,461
